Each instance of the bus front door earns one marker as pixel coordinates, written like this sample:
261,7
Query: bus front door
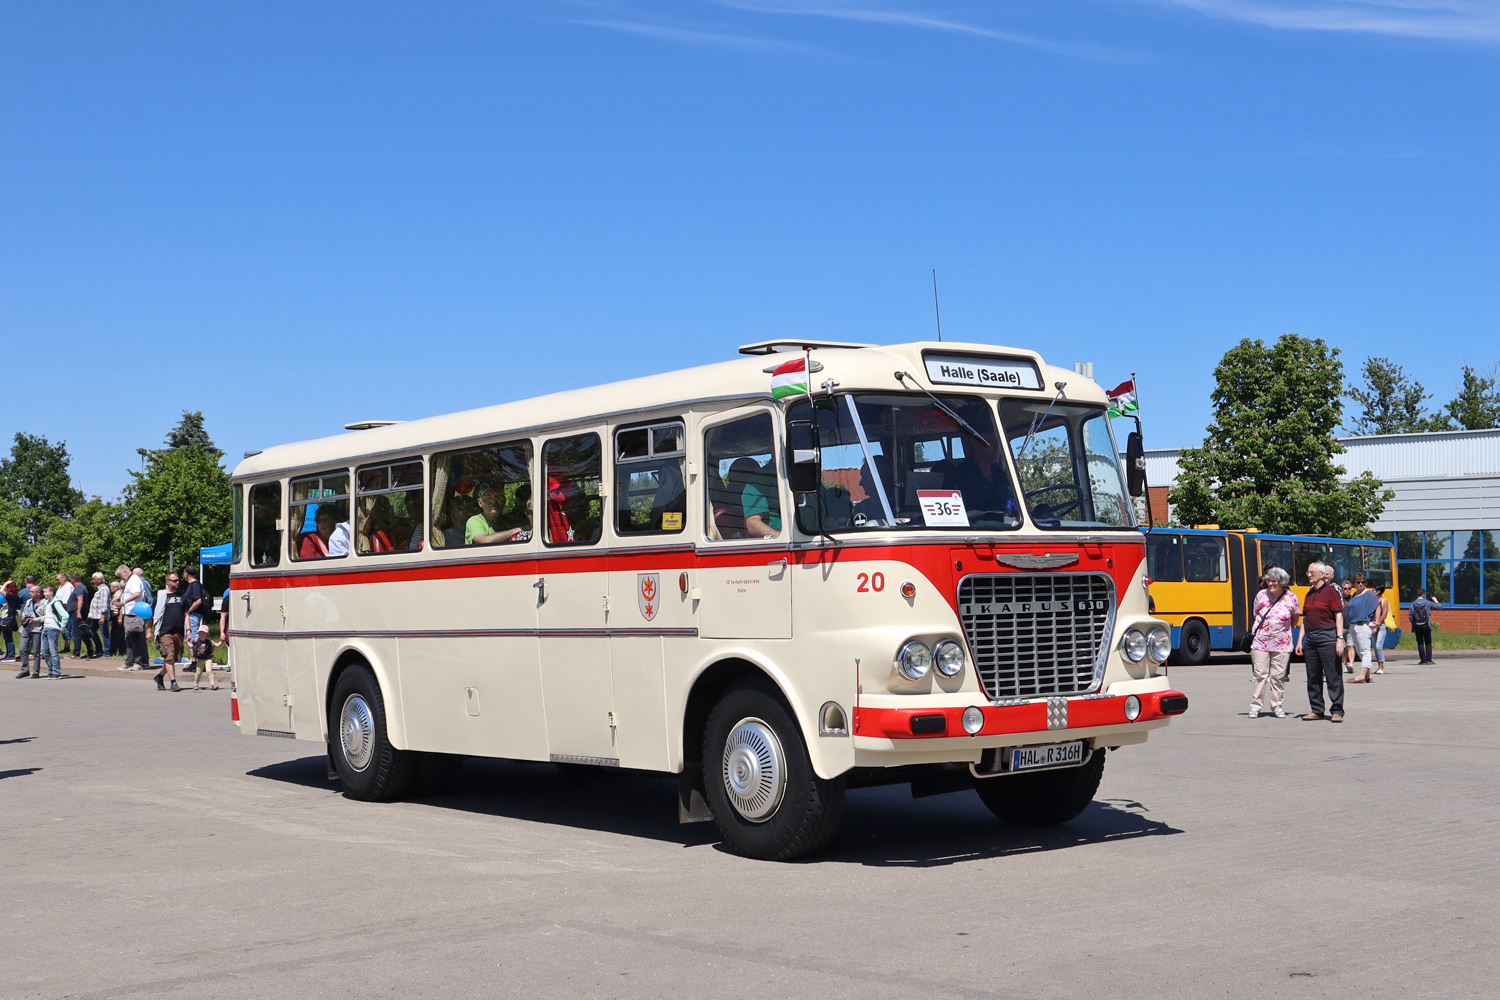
573,620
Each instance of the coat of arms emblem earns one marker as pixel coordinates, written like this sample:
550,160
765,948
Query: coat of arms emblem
648,594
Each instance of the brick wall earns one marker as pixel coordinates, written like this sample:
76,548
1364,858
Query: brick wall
1158,495
1461,619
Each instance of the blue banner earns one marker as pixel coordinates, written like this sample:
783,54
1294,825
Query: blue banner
216,555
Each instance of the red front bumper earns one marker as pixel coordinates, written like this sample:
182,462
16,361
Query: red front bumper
1082,713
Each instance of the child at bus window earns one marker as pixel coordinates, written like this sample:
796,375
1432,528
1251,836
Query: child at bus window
485,528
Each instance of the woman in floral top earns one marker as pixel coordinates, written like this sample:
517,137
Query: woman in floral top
1274,614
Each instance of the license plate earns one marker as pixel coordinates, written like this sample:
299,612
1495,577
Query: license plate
1057,755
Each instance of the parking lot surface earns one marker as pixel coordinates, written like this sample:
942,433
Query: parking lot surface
155,852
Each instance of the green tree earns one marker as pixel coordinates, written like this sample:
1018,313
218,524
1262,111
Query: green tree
1390,402
87,541
36,479
1267,459
190,431
178,503
1476,405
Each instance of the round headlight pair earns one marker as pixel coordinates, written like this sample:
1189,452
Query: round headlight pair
915,659
1133,645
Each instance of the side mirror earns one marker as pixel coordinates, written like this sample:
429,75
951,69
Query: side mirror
1135,464
804,463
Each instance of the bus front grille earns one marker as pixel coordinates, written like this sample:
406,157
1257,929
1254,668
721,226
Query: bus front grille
1036,635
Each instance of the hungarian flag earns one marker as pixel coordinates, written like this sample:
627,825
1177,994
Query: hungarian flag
1122,399
789,379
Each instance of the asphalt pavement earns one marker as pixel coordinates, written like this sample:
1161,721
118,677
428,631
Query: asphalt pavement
155,852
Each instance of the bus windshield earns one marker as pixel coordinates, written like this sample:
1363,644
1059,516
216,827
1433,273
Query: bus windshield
894,460
1067,464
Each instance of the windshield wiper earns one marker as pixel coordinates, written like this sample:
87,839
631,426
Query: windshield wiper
1038,419
901,376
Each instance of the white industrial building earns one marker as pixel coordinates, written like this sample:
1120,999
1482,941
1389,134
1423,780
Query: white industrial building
1445,517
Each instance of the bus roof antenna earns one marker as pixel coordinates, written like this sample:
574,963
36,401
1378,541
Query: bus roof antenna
936,312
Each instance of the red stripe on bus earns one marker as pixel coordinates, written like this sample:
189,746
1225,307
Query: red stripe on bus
1083,713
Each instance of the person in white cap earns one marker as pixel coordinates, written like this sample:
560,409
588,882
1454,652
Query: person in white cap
203,659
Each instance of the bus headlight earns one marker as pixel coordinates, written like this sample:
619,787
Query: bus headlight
914,660
1132,708
948,657
1159,645
1133,645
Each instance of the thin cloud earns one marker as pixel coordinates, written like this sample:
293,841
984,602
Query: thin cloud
1452,20
885,14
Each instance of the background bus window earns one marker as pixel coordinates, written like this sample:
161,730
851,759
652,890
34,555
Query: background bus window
239,523
1204,559
575,511
649,493
265,537
1164,557
319,516
744,498
1346,562
498,475
1377,563
1275,553
1305,554
389,508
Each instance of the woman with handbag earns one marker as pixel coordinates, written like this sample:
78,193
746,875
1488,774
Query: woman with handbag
1276,611
1385,617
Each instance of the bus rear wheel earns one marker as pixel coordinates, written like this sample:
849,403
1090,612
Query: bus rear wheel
1193,647
368,766
1045,798
764,794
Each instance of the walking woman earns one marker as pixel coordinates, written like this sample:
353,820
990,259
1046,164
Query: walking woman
1276,612
1385,618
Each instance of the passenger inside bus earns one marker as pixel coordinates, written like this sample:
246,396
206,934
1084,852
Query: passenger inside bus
745,502
488,526
375,524
315,543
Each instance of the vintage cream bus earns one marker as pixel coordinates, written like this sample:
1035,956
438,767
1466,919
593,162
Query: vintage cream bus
925,569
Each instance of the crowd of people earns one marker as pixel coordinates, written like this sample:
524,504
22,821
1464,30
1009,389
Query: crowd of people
1339,625
98,618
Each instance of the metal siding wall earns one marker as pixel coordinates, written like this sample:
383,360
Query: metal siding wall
1438,504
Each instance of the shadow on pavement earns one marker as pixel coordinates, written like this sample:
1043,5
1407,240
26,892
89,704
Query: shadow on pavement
18,739
881,826
19,772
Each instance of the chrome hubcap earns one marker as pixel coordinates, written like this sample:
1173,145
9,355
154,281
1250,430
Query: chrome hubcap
754,770
357,732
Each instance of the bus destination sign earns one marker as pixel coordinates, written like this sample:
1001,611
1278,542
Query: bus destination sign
986,373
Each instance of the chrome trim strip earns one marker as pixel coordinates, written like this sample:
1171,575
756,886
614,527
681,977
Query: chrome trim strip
568,758
277,733
484,633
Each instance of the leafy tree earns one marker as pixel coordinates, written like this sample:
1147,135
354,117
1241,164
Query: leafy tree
178,503
87,541
190,431
36,479
14,540
1476,406
1391,402
1267,459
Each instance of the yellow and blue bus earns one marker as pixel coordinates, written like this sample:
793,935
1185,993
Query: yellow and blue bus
1203,580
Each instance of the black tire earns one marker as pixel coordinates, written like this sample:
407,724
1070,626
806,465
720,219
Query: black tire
378,772
809,807
1193,647
1045,798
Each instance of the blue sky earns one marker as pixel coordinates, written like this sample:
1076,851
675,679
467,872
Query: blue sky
294,216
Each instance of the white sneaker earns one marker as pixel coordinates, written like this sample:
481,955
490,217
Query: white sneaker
1254,712
1279,714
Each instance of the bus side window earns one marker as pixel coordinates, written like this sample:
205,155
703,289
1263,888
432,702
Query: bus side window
265,537
319,516
390,508
479,497
743,492
1164,557
649,488
1204,559
239,522
1276,554
574,511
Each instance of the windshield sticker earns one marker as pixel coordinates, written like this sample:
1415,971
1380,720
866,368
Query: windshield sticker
997,374
943,508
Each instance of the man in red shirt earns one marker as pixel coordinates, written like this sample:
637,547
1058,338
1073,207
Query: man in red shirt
1323,638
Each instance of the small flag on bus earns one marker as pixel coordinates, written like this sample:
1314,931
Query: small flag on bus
789,379
1122,399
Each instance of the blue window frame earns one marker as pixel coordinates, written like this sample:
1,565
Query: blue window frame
1458,568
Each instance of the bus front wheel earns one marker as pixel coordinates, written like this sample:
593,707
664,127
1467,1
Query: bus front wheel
369,767
1193,647
1045,798
764,794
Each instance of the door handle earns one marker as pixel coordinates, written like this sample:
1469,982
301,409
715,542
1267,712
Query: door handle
541,590
778,562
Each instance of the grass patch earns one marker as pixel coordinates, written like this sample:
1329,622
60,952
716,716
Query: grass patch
1442,639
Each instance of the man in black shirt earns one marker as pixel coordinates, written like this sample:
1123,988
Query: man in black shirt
195,600
170,622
